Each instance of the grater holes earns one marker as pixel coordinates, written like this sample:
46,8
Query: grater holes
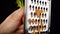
33,7
33,21
41,20
35,1
36,21
45,27
40,2
30,7
45,3
36,7
34,14
42,14
29,21
32,1
30,28
40,26
33,28
44,20
45,14
31,14
36,27
39,7
46,9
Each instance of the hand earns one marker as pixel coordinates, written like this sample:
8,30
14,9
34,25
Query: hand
14,23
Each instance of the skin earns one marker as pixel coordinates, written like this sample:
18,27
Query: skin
12,24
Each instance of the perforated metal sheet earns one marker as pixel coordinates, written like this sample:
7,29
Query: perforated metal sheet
38,13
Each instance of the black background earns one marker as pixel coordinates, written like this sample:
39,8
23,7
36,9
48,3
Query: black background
8,6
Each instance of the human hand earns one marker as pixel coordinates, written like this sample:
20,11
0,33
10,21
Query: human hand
14,23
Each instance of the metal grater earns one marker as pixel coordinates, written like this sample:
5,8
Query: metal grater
37,16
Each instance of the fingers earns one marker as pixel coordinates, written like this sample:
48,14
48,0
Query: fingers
16,15
23,19
12,21
21,29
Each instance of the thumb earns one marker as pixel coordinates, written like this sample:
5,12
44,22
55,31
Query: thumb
12,21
